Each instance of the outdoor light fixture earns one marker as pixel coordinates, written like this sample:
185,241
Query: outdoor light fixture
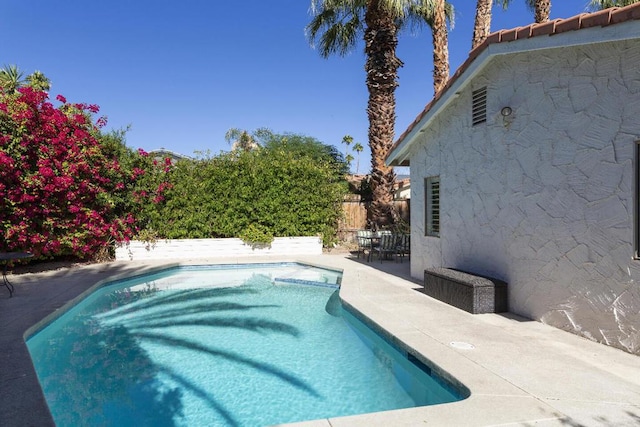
506,111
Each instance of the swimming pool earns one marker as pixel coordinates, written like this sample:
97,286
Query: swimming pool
224,345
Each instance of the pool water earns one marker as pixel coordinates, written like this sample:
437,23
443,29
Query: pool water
233,346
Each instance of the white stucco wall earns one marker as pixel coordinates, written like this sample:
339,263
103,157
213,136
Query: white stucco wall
181,249
545,198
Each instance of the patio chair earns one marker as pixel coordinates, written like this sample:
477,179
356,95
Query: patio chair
386,247
363,240
403,246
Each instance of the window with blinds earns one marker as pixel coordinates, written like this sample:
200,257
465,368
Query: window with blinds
479,106
432,206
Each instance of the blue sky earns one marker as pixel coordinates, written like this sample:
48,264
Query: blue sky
182,73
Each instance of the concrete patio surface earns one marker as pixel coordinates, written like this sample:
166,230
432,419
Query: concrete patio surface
519,372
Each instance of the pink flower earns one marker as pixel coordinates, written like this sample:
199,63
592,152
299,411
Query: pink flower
56,182
136,172
46,172
101,122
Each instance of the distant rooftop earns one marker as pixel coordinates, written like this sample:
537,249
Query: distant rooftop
162,153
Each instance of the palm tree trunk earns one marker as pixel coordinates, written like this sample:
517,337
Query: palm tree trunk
382,65
482,26
542,10
440,47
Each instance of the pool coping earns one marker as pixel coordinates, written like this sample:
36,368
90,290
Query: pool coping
519,372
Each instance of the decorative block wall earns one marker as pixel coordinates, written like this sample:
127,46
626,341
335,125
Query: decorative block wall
180,249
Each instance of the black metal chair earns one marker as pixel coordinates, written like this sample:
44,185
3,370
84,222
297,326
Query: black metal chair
403,246
363,240
386,247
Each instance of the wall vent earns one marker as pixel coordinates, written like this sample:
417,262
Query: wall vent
479,107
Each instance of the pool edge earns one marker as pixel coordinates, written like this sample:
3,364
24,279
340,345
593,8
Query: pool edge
498,395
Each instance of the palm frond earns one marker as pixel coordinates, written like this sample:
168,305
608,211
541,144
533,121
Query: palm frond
421,12
11,77
595,5
336,28
503,3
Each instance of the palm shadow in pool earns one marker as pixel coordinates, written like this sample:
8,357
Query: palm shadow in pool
146,320
86,378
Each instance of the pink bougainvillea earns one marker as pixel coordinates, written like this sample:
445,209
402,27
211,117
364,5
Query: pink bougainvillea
59,191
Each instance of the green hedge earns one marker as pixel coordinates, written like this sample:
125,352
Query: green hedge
254,195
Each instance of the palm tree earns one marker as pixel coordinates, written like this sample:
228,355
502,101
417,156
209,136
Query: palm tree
482,22
482,26
337,25
347,140
241,140
348,158
605,4
436,14
357,147
438,23
541,9
11,78
38,81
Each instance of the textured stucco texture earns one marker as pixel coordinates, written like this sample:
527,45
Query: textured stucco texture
544,198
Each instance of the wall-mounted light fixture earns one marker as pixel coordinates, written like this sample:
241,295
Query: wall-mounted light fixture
506,111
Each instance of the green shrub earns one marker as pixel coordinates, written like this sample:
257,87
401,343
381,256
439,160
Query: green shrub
256,236
254,195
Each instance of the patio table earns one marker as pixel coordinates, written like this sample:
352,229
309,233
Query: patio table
5,258
373,240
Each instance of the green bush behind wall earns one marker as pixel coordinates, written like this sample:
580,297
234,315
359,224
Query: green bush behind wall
254,195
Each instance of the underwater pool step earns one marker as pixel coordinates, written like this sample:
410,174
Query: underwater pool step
305,282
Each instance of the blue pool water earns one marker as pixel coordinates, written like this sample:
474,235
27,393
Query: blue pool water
232,346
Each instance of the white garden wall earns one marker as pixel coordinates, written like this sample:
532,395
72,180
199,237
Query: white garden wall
180,249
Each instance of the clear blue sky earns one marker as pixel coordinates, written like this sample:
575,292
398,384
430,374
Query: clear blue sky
183,73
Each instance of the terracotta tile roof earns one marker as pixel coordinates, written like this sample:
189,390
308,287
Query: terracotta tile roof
602,18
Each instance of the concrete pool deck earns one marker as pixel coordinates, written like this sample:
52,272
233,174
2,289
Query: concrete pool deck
519,372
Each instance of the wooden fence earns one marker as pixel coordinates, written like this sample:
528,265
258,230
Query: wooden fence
355,215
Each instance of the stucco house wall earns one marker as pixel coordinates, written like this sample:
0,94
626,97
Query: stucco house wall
544,198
